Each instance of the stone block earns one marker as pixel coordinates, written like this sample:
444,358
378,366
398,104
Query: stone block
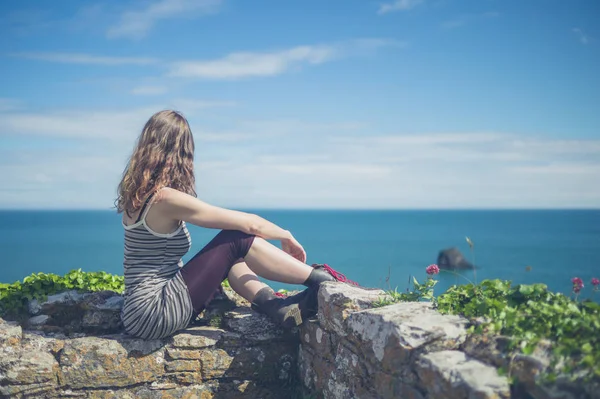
338,300
254,327
392,335
182,365
454,375
43,390
38,320
196,337
174,353
10,334
93,362
215,363
314,370
489,349
389,386
31,367
156,391
188,378
312,335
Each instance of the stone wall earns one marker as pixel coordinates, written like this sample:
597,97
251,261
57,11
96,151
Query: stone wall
409,350
73,346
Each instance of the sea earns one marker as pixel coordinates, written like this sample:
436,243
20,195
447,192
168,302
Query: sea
375,248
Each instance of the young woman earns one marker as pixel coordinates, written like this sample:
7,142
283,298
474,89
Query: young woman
157,197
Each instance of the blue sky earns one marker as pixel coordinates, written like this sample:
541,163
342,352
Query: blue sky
308,104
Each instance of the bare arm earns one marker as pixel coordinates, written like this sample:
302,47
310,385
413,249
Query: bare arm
180,206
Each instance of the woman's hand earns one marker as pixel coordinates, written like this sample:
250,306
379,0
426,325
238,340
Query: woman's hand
293,247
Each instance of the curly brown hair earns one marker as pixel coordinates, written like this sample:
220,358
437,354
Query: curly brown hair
162,157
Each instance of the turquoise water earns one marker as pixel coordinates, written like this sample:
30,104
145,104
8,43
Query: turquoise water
365,245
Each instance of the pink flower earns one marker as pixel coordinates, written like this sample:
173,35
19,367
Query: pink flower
577,282
595,282
432,269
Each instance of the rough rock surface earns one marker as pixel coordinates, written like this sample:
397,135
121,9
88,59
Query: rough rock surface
72,346
409,350
228,352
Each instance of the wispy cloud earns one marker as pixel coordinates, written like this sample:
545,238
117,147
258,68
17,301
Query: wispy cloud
9,104
244,64
80,58
107,125
398,5
27,21
193,105
414,171
468,18
465,148
248,64
317,163
113,125
583,38
233,66
149,90
135,24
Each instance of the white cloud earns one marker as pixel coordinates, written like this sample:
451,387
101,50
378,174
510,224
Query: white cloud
149,90
398,5
61,179
80,58
469,148
192,105
9,104
454,23
135,24
583,38
553,169
423,139
233,66
292,163
468,18
247,64
114,125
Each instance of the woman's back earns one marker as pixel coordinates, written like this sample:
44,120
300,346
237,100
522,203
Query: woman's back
156,299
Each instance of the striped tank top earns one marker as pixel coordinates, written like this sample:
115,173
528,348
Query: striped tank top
156,299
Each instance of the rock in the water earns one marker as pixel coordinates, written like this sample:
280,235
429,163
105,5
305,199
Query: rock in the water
453,259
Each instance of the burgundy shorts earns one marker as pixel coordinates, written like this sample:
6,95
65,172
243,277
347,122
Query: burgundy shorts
204,273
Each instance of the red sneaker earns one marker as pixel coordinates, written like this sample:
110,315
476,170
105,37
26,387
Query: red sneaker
334,273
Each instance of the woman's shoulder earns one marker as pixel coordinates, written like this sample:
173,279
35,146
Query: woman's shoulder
167,192
170,195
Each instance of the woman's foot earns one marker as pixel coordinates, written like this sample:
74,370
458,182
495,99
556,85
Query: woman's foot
288,311
322,273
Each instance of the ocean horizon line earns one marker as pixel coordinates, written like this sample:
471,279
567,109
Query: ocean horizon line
325,209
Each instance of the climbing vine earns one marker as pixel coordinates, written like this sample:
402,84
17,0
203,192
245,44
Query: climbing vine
527,314
14,297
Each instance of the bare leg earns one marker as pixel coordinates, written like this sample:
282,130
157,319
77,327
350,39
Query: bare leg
244,281
241,257
270,262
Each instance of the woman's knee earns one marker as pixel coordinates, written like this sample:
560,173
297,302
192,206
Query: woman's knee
240,241
231,235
